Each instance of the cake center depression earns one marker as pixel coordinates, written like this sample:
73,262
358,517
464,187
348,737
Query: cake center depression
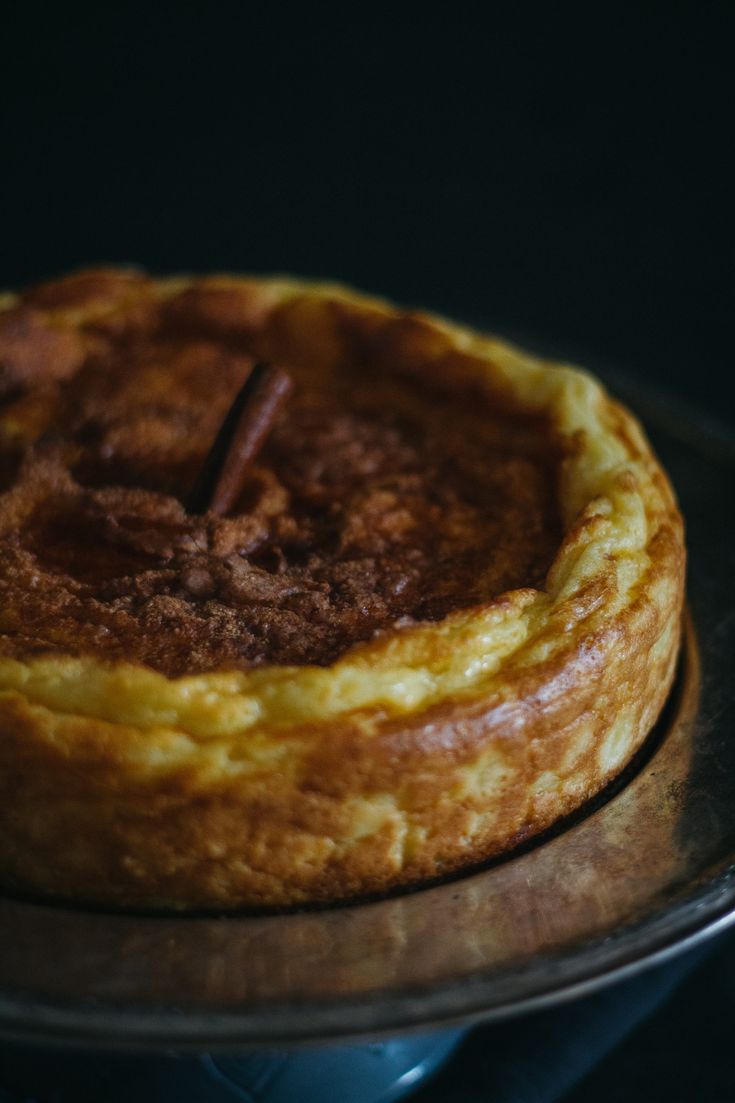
378,500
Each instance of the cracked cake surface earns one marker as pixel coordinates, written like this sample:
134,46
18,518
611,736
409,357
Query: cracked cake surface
374,504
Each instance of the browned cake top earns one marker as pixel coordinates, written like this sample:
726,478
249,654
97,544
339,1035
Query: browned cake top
377,501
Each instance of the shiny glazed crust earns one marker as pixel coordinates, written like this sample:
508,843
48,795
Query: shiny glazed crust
426,750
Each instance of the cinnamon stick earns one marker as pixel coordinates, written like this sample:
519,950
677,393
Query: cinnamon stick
240,438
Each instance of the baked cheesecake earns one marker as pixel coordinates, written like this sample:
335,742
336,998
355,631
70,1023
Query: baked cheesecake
440,612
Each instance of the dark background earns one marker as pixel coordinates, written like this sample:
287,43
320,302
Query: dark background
562,174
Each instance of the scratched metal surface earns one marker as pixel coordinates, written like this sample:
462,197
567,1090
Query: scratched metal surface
642,874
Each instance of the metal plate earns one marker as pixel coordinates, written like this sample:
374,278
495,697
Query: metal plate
644,872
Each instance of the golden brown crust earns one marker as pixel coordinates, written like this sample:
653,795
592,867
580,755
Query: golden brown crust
417,753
